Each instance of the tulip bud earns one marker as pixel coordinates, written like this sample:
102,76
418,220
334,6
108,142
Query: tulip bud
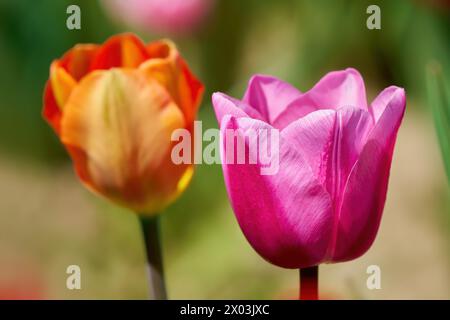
114,108
325,202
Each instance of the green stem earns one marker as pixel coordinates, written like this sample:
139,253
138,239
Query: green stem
150,230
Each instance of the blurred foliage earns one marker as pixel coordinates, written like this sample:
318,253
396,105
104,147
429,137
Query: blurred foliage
439,101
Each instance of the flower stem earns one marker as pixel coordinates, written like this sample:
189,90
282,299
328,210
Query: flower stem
150,230
309,283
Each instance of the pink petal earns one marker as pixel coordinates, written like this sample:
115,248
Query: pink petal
312,136
335,90
365,192
226,105
382,101
161,16
269,95
330,141
286,217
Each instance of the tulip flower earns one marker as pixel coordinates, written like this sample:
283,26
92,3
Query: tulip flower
114,107
161,16
325,203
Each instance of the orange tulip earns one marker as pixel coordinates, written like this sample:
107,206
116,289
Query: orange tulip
114,107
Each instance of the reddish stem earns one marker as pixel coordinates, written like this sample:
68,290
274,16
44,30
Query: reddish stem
309,283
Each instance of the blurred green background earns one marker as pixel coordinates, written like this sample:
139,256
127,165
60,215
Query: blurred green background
48,221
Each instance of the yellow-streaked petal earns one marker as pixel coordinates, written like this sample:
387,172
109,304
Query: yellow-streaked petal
123,122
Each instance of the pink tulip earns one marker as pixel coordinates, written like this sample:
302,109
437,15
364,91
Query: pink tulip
161,16
326,201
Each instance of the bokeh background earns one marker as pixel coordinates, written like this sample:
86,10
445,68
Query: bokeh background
48,221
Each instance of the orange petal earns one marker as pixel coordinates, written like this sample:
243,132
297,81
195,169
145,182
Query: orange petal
191,89
64,74
79,158
51,112
124,50
161,49
123,124
62,83
77,61
169,69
